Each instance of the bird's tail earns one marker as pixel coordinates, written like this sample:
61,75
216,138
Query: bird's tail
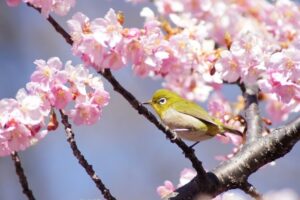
234,131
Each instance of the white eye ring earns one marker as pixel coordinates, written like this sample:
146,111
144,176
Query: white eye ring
162,101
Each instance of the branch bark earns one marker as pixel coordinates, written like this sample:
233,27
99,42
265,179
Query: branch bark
81,159
234,173
253,119
22,177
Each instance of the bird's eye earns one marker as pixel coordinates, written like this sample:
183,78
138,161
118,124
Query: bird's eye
162,101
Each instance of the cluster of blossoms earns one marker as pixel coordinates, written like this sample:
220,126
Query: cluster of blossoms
166,190
60,7
23,119
252,47
220,108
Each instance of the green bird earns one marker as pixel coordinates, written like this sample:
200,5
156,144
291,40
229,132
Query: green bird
189,120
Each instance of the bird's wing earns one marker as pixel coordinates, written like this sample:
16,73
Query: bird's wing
194,110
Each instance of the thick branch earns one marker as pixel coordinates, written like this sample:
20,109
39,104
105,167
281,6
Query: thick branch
234,173
88,168
253,119
188,152
22,178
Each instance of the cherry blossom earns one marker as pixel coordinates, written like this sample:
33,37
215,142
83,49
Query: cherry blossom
166,189
60,7
281,77
85,113
23,119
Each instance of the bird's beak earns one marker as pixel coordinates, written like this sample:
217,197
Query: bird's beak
147,102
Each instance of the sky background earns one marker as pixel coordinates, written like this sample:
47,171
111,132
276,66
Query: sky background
131,156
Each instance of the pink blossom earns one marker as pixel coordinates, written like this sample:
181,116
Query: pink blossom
150,50
100,98
46,70
281,76
190,86
219,107
7,107
30,108
98,42
85,113
165,189
20,124
281,20
277,111
79,26
91,52
229,67
113,60
61,96
107,31
186,175
60,7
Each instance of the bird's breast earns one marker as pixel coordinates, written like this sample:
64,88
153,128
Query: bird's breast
175,119
186,126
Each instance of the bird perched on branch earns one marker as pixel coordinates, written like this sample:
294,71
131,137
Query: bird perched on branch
189,120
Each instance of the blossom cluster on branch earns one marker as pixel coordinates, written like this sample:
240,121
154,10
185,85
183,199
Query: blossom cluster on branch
253,48
23,120
60,7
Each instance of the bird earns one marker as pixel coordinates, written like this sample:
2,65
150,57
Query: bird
189,120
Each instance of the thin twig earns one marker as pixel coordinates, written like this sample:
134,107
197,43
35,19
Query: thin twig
55,25
22,177
88,168
188,152
249,189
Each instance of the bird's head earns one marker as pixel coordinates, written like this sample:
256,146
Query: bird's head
162,100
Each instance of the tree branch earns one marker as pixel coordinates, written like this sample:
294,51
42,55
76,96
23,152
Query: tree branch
234,173
253,119
22,177
83,162
188,152
56,26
